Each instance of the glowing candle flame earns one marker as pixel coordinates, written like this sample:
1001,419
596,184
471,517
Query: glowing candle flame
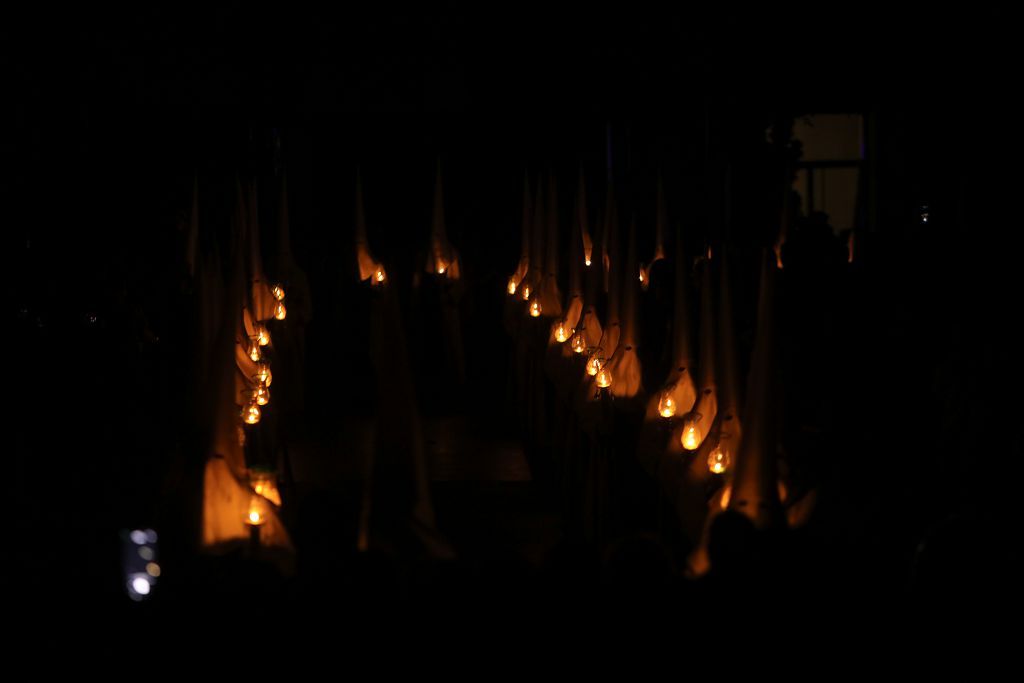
251,413
641,275
263,374
535,309
666,406
256,514
719,460
593,365
526,292
261,394
280,311
579,344
278,292
262,335
379,275
604,378
587,262
691,433
254,351
561,334
511,286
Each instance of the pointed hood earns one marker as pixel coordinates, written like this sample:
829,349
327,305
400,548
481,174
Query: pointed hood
551,297
284,258
582,220
523,266
365,262
261,298
660,226
443,258
680,384
755,479
625,365
535,277
707,400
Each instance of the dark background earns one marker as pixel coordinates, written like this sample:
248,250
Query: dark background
109,117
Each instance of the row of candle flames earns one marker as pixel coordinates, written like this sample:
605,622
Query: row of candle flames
262,483
691,438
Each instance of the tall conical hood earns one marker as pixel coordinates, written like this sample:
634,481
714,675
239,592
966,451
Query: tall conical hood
443,259
284,258
551,297
625,364
754,486
728,384
365,262
523,266
660,222
261,298
537,239
582,221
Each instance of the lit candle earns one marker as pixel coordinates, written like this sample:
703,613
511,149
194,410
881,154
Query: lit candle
251,413
379,275
262,334
718,459
511,286
254,350
667,405
280,311
535,309
278,292
579,344
261,394
256,512
263,372
561,334
594,365
526,292
604,378
691,437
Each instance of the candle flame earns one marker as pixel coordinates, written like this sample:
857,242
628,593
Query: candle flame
535,309
666,406
691,436
251,414
579,344
718,460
